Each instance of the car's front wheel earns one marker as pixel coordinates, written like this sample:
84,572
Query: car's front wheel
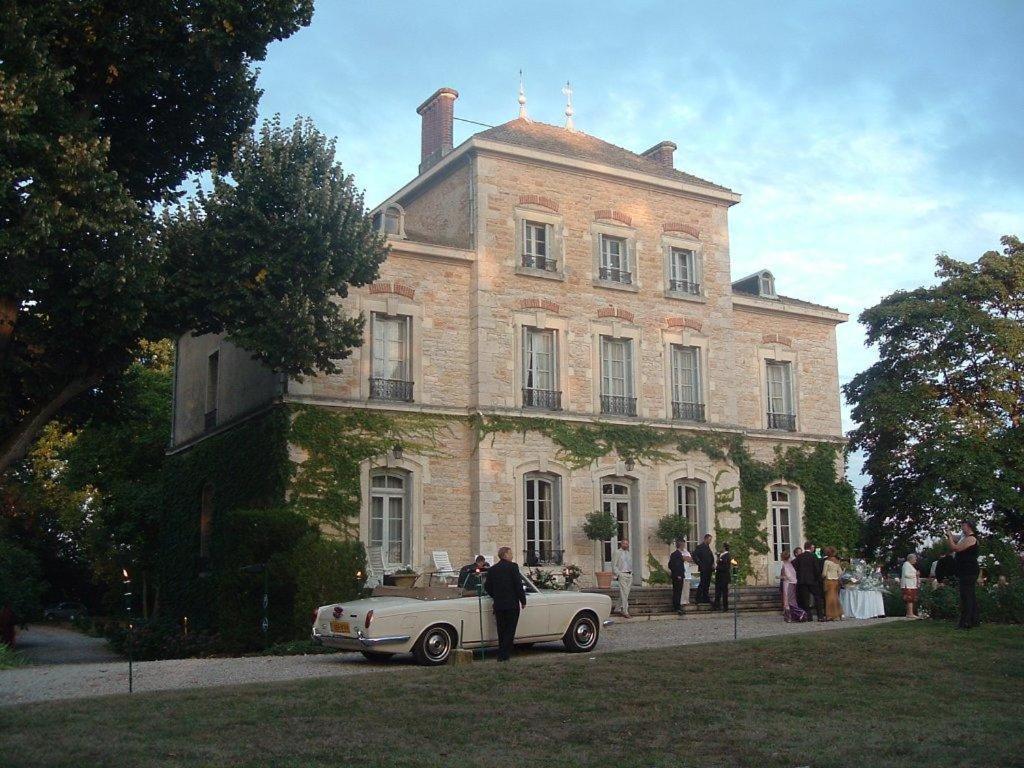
582,634
376,655
434,646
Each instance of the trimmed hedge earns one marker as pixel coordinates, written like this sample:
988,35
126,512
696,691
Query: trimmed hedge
997,603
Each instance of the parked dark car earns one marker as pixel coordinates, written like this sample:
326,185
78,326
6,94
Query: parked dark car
65,612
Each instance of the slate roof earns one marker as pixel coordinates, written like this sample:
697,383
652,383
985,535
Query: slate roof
582,146
743,290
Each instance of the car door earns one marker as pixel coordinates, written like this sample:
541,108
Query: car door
534,619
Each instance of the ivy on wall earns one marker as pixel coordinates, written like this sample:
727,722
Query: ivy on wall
326,485
830,513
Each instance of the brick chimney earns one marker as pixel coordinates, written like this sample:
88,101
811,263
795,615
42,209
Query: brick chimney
438,112
661,153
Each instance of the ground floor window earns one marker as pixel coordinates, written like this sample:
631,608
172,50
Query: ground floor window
541,518
689,504
616,499
781,523
389,517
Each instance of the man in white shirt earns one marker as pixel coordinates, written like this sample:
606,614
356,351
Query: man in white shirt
622,567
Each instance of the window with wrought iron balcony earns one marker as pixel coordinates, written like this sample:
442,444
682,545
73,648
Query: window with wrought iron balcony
390,379
783,421
688,411
617,377
614,266
540,369
684,286
542,556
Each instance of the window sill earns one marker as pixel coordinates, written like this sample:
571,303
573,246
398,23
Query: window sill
686,297
615,286
542,273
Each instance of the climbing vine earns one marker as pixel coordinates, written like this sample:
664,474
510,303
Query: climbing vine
326,483
829,505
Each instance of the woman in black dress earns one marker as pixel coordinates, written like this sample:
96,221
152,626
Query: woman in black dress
966,554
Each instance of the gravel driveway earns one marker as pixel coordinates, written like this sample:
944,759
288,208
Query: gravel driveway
52,644
67,681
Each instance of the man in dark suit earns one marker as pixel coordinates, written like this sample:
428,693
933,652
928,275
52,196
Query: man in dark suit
705,560
469,575
723,575
505,586
808,581
680,583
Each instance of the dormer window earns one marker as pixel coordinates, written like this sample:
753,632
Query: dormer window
391,221
766,284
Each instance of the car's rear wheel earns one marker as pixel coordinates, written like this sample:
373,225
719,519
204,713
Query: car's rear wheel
377,655
582,634
434,646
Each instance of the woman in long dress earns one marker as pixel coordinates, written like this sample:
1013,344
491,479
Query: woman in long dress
831,571
788,577
967,571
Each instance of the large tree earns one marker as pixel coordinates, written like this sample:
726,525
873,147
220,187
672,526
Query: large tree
941,413
106,107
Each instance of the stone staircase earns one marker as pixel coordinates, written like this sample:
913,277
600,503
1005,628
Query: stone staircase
655,601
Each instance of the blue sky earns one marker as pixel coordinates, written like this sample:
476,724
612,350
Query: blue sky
864,137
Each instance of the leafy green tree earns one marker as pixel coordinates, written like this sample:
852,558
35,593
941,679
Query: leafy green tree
262,254
941,413
106,106
20,585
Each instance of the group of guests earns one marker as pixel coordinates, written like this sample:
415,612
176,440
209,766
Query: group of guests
681,564
809,582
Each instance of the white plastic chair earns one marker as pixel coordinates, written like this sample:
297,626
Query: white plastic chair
374,567
443,564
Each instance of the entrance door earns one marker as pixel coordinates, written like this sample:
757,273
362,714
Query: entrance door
616,500
781,527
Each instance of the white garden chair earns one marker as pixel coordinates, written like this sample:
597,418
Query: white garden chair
374,567
443,565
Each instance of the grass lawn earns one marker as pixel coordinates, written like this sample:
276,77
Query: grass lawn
909,694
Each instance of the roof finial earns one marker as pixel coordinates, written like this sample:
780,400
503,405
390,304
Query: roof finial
568,106
522,98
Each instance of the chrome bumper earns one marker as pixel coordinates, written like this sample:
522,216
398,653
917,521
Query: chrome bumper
370,642
607,622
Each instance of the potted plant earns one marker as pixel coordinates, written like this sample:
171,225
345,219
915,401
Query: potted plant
405,576
600,526
671,528
571,573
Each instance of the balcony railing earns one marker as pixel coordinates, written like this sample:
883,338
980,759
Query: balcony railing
210,419
615,275
539,262
546,399
786,421
391,389
618,406
684,286
542,556
688,411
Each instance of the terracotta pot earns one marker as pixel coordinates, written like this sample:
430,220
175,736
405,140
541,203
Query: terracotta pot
604,579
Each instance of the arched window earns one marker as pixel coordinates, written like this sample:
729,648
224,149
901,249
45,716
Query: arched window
689,504
617,500
205,520
781,517
389,517
391,220
542,519
766,284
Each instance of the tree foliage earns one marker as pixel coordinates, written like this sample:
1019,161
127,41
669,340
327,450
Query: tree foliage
263,253
106,107
941,413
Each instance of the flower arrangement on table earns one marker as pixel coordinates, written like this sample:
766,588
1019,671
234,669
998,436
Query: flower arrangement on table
543,579
861,576
571,573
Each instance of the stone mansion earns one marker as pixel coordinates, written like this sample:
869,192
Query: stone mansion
535,270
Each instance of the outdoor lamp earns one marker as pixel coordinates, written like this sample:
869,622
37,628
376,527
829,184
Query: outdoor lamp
630,464
397,451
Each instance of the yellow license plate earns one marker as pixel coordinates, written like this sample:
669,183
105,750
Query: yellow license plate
340,628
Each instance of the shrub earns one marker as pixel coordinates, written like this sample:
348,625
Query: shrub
997,603
600,525
10,658
323,571
671,528
20,584
658,573
544,579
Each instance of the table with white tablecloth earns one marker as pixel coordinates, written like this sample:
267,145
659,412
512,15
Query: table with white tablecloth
862,603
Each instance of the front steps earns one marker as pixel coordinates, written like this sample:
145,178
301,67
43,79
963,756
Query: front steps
657,601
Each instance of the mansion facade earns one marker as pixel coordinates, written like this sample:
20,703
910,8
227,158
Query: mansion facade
535,270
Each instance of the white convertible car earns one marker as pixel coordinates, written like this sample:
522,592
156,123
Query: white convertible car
431,621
